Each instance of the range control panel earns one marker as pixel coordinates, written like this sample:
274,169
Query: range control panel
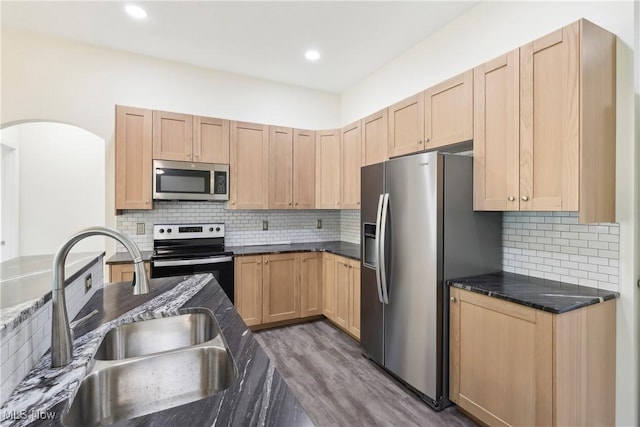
187,231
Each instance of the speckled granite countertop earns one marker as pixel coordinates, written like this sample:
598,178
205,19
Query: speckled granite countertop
345,249
547,295
259,396
25,284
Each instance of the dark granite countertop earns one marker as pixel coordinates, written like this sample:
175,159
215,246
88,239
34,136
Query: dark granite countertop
345,249
125,257
259,396
547,295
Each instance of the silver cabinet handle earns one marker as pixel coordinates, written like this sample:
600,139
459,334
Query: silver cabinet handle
525,198
453,299
511,198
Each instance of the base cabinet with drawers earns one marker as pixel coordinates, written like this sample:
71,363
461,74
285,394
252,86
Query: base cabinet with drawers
514,365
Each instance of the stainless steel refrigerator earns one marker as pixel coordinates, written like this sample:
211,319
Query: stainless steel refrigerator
418,230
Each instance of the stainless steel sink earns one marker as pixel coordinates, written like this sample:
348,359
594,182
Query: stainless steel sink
130,388
194,326
152,365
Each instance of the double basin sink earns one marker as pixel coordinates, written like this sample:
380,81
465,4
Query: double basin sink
152,365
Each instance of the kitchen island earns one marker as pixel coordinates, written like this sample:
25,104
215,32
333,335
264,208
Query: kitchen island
259,396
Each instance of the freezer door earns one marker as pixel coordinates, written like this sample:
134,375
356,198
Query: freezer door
371,309
412,341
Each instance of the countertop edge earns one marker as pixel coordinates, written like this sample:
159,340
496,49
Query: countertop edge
585,300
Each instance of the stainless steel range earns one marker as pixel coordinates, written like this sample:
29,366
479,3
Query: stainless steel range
185,249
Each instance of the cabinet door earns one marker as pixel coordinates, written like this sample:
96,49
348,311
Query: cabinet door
304,169
249,166
210,140
406,126
375,138
448,109
328,169
496,143
329,285
280,167
134,129
354,299
351,162
281,288
172,136
549,122
343,279
501,357
124,272
310,283
248,288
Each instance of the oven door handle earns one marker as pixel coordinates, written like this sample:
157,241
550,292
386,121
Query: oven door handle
199,261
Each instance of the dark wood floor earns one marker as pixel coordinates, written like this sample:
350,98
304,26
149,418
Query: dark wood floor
339,387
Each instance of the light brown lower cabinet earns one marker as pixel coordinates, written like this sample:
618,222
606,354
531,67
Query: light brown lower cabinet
124,272
515,365
277,287
342,293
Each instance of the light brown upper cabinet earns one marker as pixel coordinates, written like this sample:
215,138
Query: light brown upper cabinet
496,149
375,138
304,169
406,126
134,127
351,162
249,166
292,168
328,169
566,127
189,138
280,167
210,140
172,136
448,111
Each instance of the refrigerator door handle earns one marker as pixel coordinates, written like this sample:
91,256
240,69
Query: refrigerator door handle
381,254
377,243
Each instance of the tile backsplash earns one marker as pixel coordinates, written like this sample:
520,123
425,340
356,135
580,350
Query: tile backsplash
243,227
554,246
550,245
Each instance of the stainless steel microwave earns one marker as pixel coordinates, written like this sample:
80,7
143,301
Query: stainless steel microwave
190,181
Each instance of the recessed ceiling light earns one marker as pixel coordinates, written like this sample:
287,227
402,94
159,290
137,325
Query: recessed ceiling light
312,55
135,11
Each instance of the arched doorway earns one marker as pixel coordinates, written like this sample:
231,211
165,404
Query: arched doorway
53,184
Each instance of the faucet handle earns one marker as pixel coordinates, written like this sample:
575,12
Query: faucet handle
76,323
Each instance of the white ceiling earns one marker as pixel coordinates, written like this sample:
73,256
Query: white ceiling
262,39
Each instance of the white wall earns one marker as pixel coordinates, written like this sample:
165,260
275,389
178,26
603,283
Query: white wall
61,185
493,28
53,79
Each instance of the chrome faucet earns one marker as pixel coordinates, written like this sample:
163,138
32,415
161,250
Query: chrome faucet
61,342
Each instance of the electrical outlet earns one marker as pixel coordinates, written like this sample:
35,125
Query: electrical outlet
265,225
88,282
140,228
318,223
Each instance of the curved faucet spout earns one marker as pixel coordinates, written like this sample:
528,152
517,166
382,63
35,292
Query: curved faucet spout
61,341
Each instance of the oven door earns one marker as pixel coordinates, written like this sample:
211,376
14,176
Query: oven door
220,266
